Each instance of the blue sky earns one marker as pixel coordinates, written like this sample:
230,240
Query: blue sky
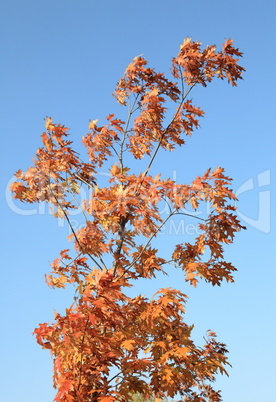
63,59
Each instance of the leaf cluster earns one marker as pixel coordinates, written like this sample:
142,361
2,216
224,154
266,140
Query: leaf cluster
108,346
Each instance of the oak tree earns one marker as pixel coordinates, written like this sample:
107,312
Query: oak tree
108,345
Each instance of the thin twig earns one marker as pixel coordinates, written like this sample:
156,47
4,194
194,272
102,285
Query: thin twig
73,232
124,220
165,131
125,132
182,80
192,216
163,198
81,348
76,175
148,242
86,220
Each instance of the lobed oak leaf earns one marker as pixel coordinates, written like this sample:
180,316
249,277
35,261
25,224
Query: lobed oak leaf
115,170
129,344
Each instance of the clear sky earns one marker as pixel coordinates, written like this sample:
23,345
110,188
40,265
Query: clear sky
62,58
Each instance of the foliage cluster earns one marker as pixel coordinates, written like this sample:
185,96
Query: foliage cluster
108,346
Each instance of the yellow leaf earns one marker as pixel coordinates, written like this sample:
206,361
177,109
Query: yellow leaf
92,124
48,123
128,344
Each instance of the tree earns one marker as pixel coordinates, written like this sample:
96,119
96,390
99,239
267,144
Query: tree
108,346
